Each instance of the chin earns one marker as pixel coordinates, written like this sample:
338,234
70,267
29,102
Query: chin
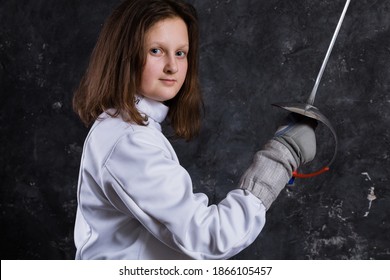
161,97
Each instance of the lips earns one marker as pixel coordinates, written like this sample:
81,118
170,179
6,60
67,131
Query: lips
168,82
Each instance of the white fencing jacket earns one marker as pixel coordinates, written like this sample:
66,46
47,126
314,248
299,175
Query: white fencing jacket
135,200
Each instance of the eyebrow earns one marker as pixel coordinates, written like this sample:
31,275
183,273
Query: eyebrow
184,45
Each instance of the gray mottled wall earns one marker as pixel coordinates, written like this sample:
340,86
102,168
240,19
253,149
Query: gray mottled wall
253,53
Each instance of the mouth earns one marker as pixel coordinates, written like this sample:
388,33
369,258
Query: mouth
168,82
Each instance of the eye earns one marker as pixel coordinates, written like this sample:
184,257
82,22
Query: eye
181,54
155,51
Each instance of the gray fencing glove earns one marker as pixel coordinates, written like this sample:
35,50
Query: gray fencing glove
298,136
293,144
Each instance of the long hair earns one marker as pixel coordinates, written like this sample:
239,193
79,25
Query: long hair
114,72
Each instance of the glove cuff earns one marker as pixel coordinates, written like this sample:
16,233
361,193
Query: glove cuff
269,173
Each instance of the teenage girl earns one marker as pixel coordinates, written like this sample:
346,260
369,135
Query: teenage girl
135,201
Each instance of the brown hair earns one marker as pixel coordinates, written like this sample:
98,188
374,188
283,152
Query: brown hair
114,72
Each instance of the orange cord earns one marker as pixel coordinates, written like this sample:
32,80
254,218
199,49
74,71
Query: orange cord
300,175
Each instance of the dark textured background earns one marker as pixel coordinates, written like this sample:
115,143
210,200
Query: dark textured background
253,53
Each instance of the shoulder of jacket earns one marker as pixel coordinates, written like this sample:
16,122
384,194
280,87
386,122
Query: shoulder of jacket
125,137
116,128
108,133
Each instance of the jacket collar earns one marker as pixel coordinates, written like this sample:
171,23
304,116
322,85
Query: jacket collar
154,110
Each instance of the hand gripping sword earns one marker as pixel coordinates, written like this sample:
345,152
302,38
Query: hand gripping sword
307,109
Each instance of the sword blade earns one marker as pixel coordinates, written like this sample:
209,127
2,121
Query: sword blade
312,96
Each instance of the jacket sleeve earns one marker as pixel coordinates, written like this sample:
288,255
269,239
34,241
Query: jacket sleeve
141,179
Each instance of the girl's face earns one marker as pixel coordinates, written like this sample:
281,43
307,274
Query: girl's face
164,72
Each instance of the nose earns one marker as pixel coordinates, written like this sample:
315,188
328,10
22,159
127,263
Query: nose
170,65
